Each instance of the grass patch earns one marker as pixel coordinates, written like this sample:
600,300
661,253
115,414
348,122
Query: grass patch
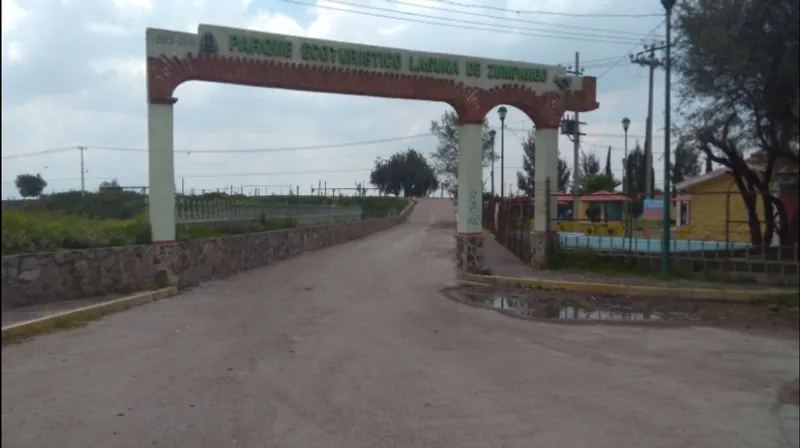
788,299
588,260
31,232
66,221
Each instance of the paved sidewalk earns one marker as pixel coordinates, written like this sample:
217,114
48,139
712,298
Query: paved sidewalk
505,264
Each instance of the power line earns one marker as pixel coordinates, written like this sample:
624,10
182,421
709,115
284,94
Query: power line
532,22
41,153
213,176
224,151
631,50
284,173
448,23
593,134
549,13
283,149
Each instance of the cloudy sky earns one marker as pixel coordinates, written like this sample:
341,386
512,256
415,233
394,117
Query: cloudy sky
73,75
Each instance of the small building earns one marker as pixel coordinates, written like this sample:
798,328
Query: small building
717,211
611,205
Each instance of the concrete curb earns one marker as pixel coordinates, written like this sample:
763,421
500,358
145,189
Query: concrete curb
719,294
15,332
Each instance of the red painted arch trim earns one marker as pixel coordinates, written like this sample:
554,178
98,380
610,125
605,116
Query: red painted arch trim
472,104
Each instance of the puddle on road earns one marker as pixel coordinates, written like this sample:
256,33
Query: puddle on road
575,307
574,310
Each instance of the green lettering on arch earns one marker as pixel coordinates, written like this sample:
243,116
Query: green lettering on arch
516,73
282,48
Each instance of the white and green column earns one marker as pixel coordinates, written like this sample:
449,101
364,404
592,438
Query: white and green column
469,237
544,238
161,191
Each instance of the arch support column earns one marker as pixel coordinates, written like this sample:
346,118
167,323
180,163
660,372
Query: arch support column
161,164
545,209
469,236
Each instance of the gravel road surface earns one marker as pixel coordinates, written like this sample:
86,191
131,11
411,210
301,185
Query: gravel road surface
353,347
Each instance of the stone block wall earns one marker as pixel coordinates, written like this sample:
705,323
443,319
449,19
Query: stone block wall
218,258
33,279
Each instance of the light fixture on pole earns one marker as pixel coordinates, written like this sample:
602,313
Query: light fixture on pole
665,249
492,135
502,113
626,123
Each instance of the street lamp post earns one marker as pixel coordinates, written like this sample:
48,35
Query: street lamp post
502,113
665,249
626,123
492,135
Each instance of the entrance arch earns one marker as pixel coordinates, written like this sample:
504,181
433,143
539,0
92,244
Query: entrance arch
472,86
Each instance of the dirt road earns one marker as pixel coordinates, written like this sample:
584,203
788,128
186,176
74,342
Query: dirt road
352,347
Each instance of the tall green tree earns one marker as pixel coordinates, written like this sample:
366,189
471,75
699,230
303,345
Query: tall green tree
30,185
685,162
110,184
445,159
738,64
588,165
564,173
636,174
526,177
608,162
406,172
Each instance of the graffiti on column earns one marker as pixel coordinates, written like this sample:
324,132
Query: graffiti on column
474,217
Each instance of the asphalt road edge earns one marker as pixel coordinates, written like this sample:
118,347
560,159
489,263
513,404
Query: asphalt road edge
23,330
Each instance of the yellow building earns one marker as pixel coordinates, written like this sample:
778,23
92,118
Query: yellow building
717,209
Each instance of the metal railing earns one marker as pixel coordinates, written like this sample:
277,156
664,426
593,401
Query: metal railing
712,242
190,210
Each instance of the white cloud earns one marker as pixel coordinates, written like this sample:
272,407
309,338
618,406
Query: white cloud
133,4
90,89
275,23
12,52
13,14
122,67
106,29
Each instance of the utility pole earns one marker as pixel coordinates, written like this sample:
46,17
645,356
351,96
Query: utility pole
571,127
648,59
83,171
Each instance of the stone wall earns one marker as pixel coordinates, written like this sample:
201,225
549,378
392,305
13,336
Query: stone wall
33,279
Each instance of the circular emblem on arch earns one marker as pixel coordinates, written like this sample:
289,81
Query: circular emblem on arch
208,43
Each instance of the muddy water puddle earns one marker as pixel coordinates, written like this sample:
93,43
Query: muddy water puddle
562,306
573,310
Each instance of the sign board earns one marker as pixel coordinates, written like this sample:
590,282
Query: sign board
653,209
331,55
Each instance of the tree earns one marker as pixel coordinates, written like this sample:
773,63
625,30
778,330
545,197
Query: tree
564,173
526,177
636,174
110,186
738,64
608,162
588,165
599,182
29,185
406,172
113,183
445,158
685,162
